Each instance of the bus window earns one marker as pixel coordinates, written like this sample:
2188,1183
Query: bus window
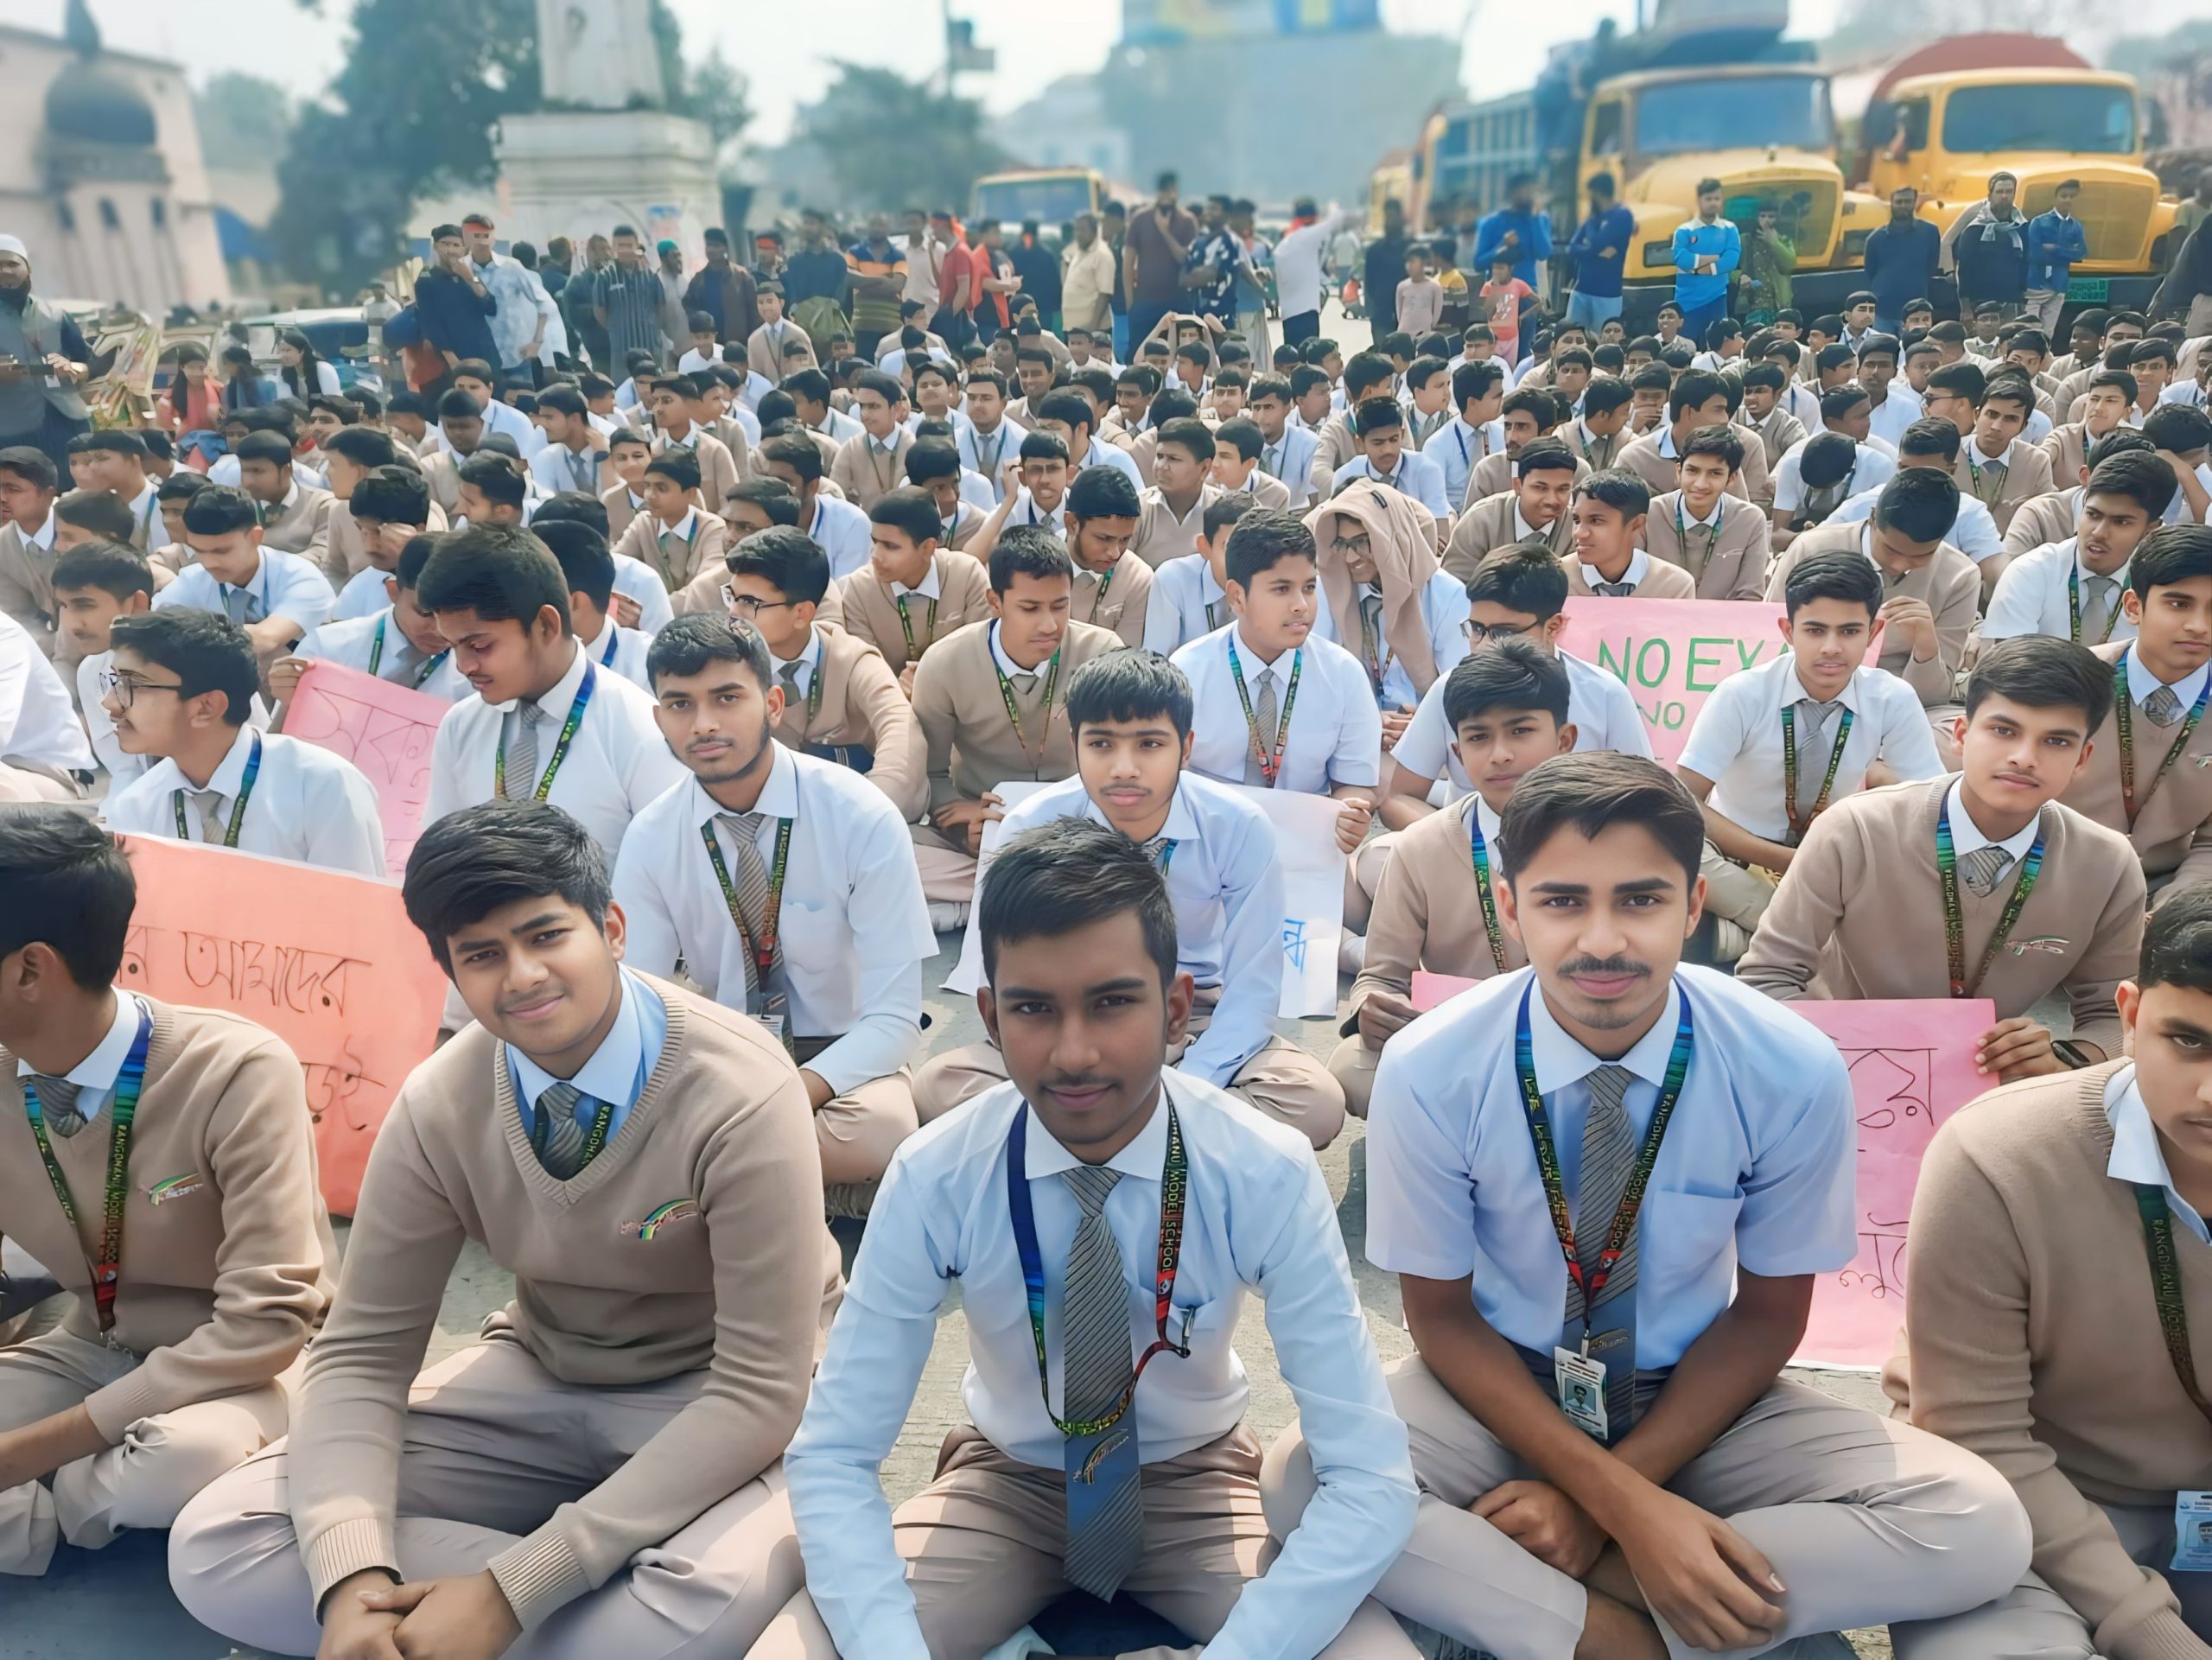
1606,129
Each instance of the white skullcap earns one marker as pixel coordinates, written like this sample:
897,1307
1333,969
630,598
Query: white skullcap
13,245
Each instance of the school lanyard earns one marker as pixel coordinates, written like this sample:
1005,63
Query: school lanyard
1174,1189
1974,473
763,949
560,745
1377,665
2165,1289
614,641
238,803
2074,608
541,1130
1270,766
1539,1132
1480,850
990,469
906,626
661,553
1799,823
1955,927
2126,718
1712,534
107,1270
429,664
1014,713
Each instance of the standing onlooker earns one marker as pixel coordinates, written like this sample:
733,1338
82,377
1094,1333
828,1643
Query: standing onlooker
1988,248
1520,228
1298,269
518,325
1114,231
553,270
929,236
580,300
1152,260
43,360
1706,249
878,274
1210,266
673,322
1901,260
725,291
996,276
1039,267
1087,279
817,270
628,300
958,289
2055,240
1420,297
452,305
1599,250
1382,267
1252,280
1769,258
2187,290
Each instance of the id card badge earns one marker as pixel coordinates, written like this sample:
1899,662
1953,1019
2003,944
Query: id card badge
1099,1466
2192,1532
771,1014
1581,1385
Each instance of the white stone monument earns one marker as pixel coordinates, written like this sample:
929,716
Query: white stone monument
605,150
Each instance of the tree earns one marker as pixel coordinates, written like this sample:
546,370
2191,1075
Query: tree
244,121
891,142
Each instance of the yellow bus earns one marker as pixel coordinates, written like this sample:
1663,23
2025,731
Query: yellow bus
1051,195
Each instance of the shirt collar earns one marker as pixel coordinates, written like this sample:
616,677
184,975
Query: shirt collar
1789,689
2141,682
1639,567
43,536
778,797
1561,1060
1967,836
687,527
1250,655
2073,545
611,1074
930,587
230,772
1710,519
555,703
1007,665
1484,817
99,1071
1523,529
291,498
1042,1157
2137,1157
2004,456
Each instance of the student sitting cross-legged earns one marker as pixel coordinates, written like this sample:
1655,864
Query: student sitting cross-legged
1131,1207
193,1125
1131,715
2061,1280
1632,1479
599,1475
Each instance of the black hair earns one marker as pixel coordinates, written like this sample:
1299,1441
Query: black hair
362,446
2177,428
1693,391
771,496
2121,441
1720,440
680,465
1527,580
2140,476
1827,459
1769,376
1263,538
497,478
1028,550
1510,675
1103,493
628,436
1186,433
205,650
1618,488
1043,446
1959,380
1133,685
1070,409
1842,575
480,859
65,884
1365,370
180,486
1605,394
501,572
112,440
1242,434
798,452
1931,434
408,572
587,565
1540,455
220,510
2176,947
2171,553
34,467
696,639
577,506
394,495
2037,672
1379,415
1067,875
457,405
115,568
911,512
263,447
1919,504
1593,791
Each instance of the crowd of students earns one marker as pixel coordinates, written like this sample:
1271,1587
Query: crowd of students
741,665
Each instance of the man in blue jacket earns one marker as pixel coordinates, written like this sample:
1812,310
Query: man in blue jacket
1520,228
1901,260
2055,240
1599,250
1706,249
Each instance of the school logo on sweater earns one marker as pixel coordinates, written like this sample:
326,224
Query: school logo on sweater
182,1186
676,1210
2055,944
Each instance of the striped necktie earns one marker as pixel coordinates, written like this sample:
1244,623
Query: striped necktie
1095,1369
1984,868
1814,748
1265,719
561,1148
57,1100
744,830
519,781
1608,1157
2163,706
209,806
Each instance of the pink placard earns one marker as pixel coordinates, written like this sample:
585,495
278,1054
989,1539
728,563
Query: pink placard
1430,989
1671,653
383,729
325,959
1911,1067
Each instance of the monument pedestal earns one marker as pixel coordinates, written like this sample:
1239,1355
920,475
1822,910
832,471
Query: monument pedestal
580,173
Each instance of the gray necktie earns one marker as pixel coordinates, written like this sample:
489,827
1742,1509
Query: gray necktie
1814,748
1613,590
2097,608
2163,706
57,1100
1608,1157
788,674
1024,682
1989,482
1271,461
1984,868
1600,452
752,880
242,605
561,1149
519,782
1095,1369
209,806
1265,721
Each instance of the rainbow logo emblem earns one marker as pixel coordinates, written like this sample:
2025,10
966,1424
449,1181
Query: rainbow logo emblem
176,1187
675,1211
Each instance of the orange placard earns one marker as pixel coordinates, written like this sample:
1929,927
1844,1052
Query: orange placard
325,960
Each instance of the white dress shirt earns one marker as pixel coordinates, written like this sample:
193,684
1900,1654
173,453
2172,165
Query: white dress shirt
1458,448
1289,460
622,650
1899,408
2137,1157
1417,476
528,437
988,453
307,805
1737,741
842,530
284,586
556,468
616,1073
1967,836
616,764
1443,609
854,931
36,722
96,1074
634,579
1227,888
1335,731
1105,455
1603,714
2031,598
2141,682
1257,1214
364,595
1871,470
1974,534
352,643
1757,1169
122,768
1186,604
838,426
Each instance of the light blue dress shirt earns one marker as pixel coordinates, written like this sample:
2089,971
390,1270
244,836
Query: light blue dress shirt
1417,476
1186,604
2136,1158
617,1071
1443,610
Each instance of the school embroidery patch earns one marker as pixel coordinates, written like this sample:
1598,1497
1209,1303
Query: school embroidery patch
176,1187
676,1210
2055,944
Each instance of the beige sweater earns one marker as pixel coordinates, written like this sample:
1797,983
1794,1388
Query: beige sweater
2172,832
1861,906
736,1286
870,611
972,745
1428,914
2034,1341
1949,584
226,1273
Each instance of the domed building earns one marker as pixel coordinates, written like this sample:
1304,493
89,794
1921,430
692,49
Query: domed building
101,173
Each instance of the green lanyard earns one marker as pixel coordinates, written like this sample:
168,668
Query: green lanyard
1799,823
560,745
660,551
1379,657
107,1270
238,803
2074,608
429,665
1270,766
907,627
2165,1288
1013,712
1955,928
763,949
2125,717
1480,850
1712,536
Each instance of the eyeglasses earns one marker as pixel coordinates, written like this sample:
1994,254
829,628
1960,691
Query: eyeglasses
1477,632
743,605
124,687
1357,547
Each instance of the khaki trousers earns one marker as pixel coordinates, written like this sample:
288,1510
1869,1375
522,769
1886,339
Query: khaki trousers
143,1481
494,1445
23,781
1733,892
1866,1520
859,1130
1353,1067
983,1544
2033,1622
948,873
1281,1080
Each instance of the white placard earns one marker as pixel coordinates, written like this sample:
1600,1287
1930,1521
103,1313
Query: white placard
1312,897
967,976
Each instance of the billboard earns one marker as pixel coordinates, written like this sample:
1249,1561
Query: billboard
1164,22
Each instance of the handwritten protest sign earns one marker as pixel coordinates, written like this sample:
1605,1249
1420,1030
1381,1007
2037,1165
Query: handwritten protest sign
325,960
383,729
967,976
1312,897
1671,653
1430,989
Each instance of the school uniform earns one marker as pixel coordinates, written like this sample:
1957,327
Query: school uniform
1334,443
2077,932
302,804
1899,408
988,453
2172,812
362,594
867,469
852,934
621,651
1870,470
1948,583
285,585
763,350
1458,448
677,553
226,1271
610,1455
2067,447
1975,533
1327,726
1161,536
615,763
622,505
1724,553
719,472
1778,433
27,585
902,623
345,556
1653,459
1226,883
841,704
375,645
299,523
1644,578
1416,476
1118,598
1271,493
99,727
842,531
962,692
1186,604
1429,912
2001,483
1864,1519
1598,451
959,531
557,469
1289,462
2054,518
2050,592
1598,704
1495,523
1440,606
41,745
1493,476
987,1545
